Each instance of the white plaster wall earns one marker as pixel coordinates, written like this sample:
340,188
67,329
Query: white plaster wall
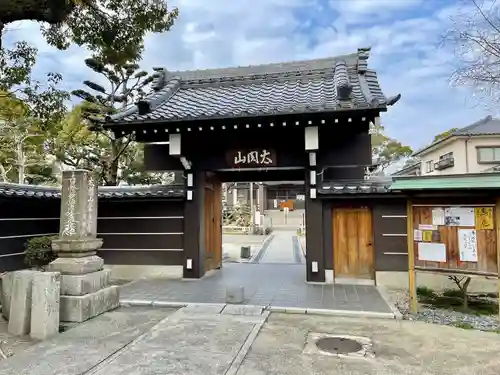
474,167
456,146
464,149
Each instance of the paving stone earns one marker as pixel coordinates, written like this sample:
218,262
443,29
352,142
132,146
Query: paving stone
249,310
276,284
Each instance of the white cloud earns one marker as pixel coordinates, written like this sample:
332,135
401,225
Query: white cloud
227,33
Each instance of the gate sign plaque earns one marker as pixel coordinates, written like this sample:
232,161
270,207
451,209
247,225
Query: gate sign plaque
254,158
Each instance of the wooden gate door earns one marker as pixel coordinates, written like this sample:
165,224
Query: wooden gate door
353,243
213,224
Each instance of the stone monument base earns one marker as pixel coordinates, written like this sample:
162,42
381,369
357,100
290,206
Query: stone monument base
85,289
78,285
78,309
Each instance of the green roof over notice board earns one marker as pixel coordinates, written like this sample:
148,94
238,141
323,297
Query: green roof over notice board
449,182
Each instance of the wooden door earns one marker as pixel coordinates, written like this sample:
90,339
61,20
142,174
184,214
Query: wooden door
353,243
213,224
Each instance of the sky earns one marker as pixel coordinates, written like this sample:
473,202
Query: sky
404,35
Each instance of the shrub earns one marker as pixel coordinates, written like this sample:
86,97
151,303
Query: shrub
39,251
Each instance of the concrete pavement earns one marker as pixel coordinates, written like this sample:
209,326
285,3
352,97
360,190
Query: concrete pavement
242,340
400,347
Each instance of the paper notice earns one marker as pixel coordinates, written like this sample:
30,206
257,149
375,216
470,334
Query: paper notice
459,216
434,252
483,217
427,235
417,235
427,227
438,216
467,245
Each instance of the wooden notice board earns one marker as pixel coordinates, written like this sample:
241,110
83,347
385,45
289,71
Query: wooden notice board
466,235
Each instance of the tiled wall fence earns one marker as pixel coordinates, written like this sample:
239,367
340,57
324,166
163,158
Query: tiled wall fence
130,220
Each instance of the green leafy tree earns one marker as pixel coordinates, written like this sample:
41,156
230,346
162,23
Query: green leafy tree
51,11
114,30
124,84
115,158
21,142
444,134
74,145
44,102
28,109
386,150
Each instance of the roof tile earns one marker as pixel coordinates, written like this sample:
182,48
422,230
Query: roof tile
321,85
35,191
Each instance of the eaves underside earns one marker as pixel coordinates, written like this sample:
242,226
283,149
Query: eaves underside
341,112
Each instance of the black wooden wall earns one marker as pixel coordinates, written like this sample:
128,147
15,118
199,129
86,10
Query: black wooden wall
139,231
389,231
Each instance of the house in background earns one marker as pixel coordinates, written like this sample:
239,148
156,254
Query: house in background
473,149
413,169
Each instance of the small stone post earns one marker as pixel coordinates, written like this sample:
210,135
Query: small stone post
45,305
20,303
85,290
7,280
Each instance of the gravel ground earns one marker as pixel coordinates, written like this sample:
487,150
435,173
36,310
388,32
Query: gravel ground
401,299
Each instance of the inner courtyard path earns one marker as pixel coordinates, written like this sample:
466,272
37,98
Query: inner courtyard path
282,247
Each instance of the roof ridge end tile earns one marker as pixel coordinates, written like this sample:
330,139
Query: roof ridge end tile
148,104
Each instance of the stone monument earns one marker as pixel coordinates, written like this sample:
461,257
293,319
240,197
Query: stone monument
85,289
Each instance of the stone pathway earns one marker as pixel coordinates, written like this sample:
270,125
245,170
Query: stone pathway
283,248
276,285
80,349
195,340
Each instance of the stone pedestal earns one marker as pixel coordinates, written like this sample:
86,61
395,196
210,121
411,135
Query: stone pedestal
85,290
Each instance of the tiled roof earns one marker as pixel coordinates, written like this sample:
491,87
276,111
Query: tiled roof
321,85
370,186
485,126
34,191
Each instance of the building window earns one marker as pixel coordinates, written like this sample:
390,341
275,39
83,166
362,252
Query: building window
448,155
429,166
488,154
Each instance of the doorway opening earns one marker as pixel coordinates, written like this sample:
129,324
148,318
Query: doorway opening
257,222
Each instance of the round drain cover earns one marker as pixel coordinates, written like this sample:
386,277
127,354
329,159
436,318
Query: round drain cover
338,345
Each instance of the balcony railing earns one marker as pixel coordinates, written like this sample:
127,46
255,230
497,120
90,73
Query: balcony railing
444,163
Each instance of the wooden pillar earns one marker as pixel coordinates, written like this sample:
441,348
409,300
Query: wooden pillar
315,260
412,283
497,228
194,231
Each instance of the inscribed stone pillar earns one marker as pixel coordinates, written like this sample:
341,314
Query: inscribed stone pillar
46,295
6,293
85,290
20,303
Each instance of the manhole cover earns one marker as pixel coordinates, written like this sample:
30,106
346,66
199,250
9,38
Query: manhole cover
341,346
338,345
